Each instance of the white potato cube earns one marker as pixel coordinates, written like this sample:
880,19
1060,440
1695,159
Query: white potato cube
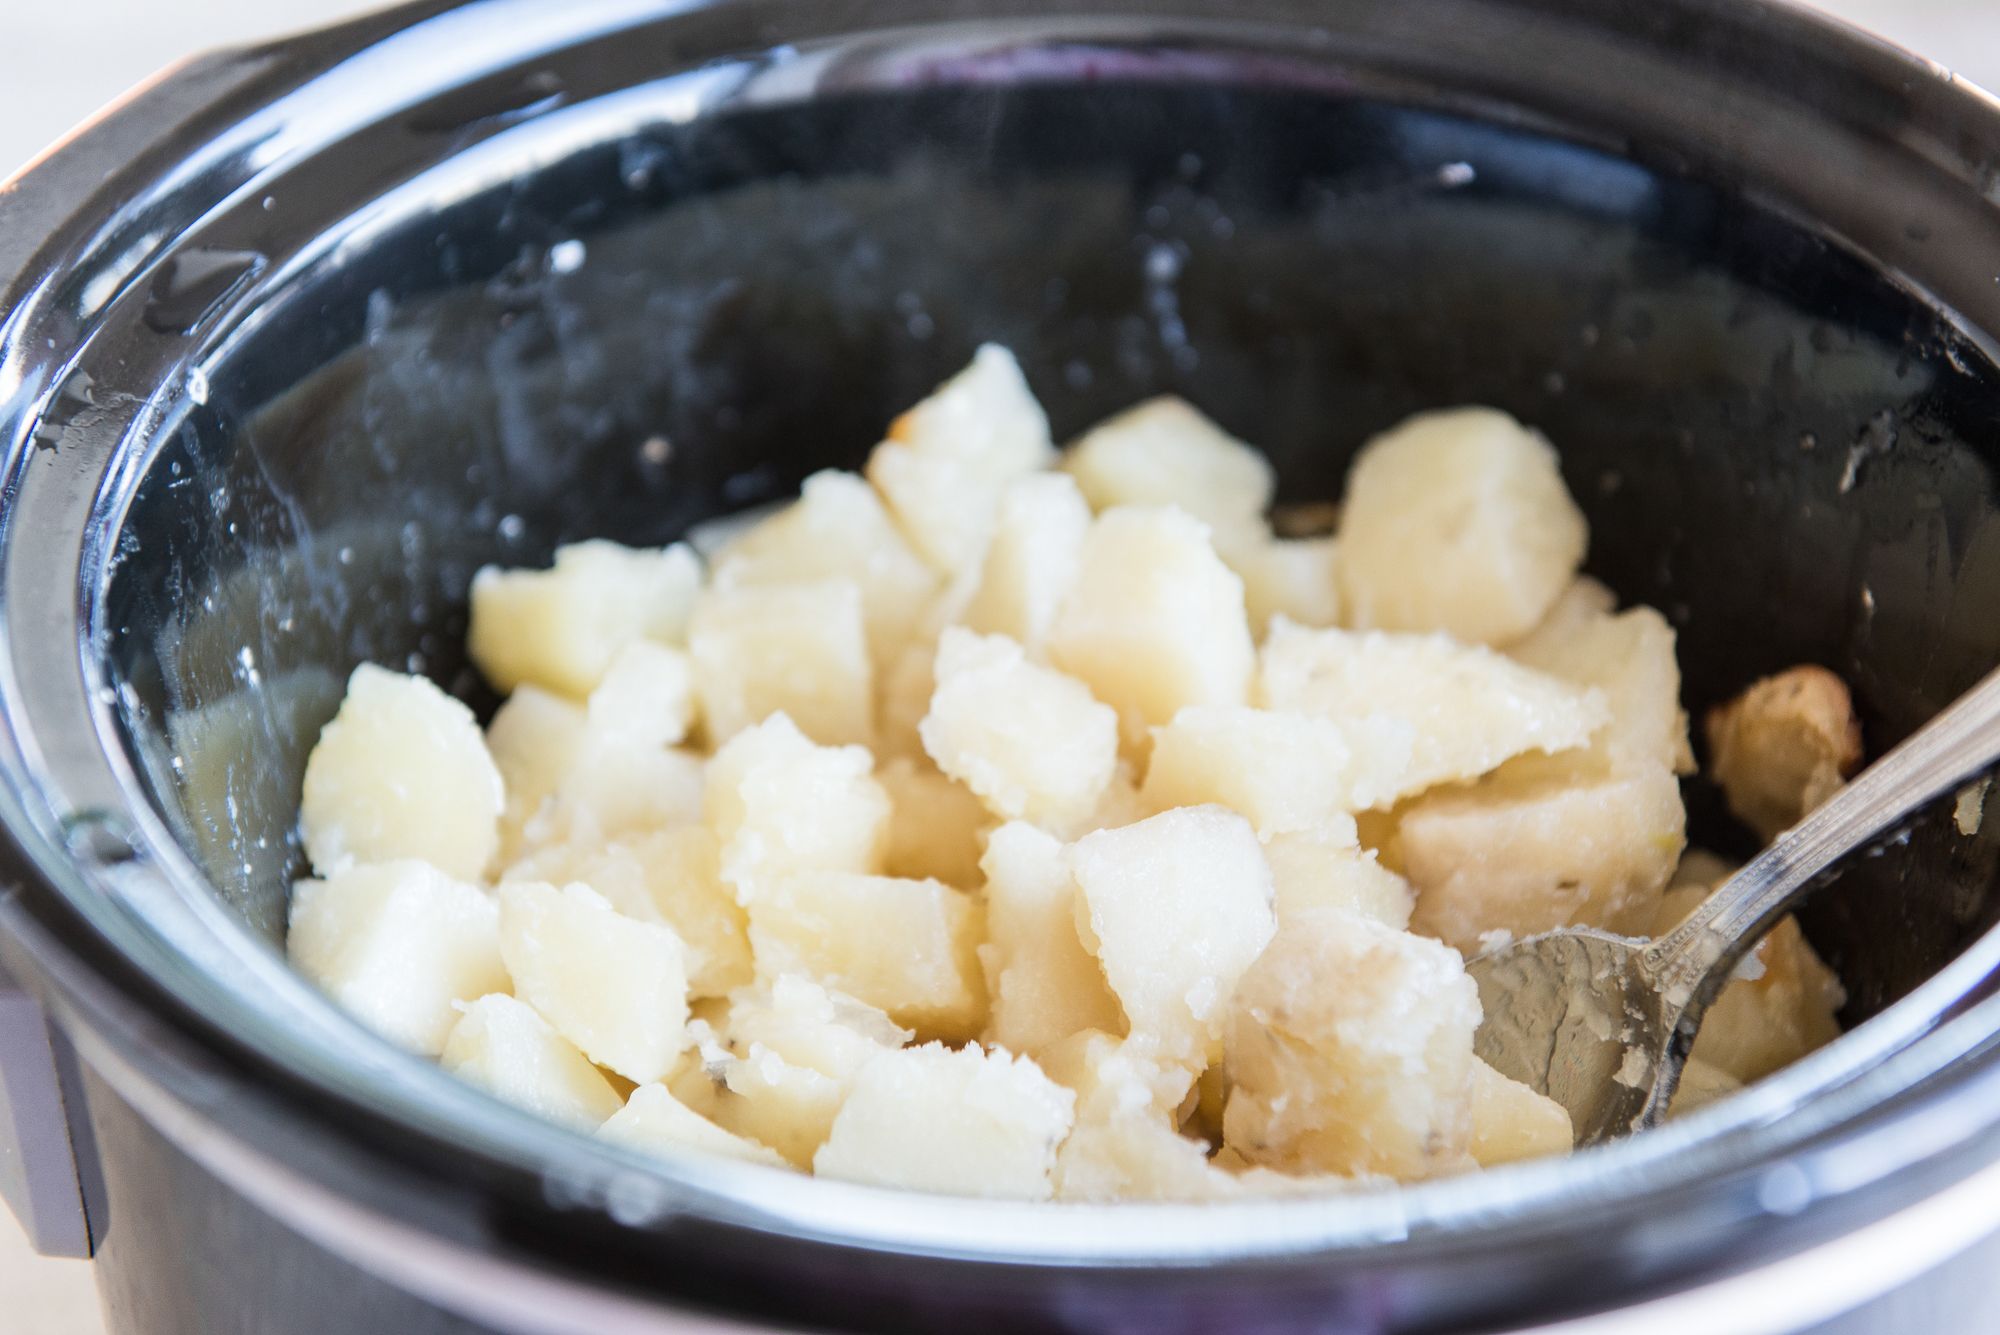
616,787
612,985
1463,709
1280,771
1045,986
503,1047
838,529
779,1103
1031,743
646,698
907,947
1630,658
811,1026
655,1121
795,649
777,803
1175,908
395,944
1155,621
1124,1146
968,1122
937,827
1032,561
946,460
534,739
1458,521
1350,1051
670,876
1537,847
401,772
560,628
1296,578
1327,868
1165,452
1701,1085
1511,1122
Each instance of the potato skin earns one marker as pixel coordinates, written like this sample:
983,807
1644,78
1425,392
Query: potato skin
1784,746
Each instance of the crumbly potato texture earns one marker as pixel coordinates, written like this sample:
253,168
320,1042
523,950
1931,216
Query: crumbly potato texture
1040,824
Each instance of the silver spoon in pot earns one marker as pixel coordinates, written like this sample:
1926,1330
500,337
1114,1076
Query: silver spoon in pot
1603,1024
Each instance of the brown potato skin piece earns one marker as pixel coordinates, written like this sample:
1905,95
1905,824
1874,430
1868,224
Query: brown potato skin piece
1783,747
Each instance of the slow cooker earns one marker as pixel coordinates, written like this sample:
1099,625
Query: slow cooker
295,338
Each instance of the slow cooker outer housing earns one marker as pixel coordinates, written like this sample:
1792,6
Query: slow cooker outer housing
195,366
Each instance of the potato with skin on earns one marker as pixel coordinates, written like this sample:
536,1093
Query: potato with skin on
1165,452
907,947
965,1122
1630,657
612,985
1784,746
1155,620
1463,709
502,1046
401,772
1029,742
1281,772
1175,908
654,1121
1044,985
1457,521
1032,561
1539,846
838,529
1294,578
560,628
534,739
778,803
945,461
1350,1051
1511,1122
795,649
395,945
1326,867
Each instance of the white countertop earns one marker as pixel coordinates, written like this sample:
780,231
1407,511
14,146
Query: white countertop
60,62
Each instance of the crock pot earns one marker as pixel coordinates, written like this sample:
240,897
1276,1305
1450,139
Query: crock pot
296,337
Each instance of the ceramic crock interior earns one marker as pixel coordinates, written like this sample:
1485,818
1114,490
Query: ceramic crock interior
616,318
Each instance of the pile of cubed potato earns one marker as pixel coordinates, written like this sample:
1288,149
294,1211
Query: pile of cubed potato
1036,824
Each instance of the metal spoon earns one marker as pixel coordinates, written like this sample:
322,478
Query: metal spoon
1603,1023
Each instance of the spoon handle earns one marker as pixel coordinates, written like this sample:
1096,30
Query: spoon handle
1957,744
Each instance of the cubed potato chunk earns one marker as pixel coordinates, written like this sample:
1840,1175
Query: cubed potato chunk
907,947
1511,1122
1155,620
796,649
1350,1050
1032,561
672,876
560,628
646,698
1279,771
780,1104
396,944
777,803
401,772
937,827
1031,743
1701,1085
946,460
617,787
1459,710
1326,867
967,1122
1534,849
1124,1146
612,985
503,1047
1295,578
1630,658
1175,908
1166,453
1457,521
838,529
655,1121
1783,747
534,739
1045,986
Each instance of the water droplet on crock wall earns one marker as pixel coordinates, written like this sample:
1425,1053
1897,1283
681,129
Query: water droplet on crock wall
655,451
567,256
197,385
1456,175
506,101
512,527
191,286
99,838
1808,442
